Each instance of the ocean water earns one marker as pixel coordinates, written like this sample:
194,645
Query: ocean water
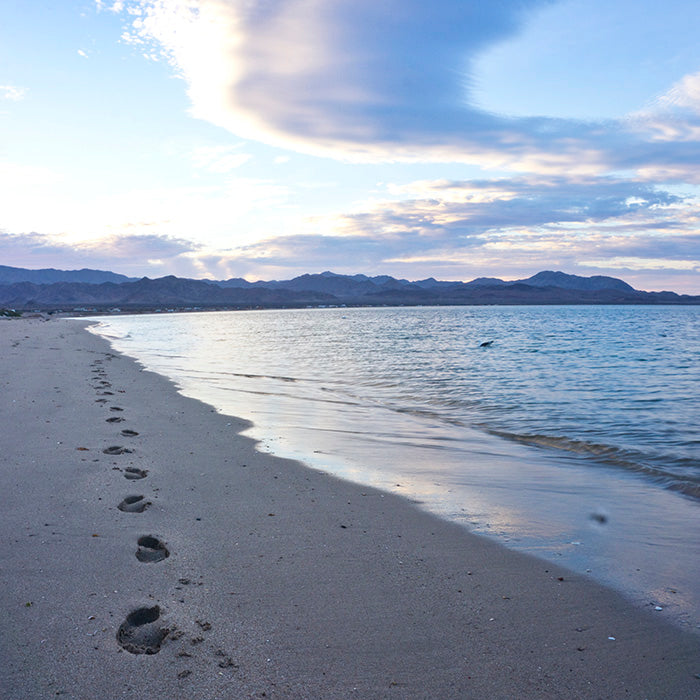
572,433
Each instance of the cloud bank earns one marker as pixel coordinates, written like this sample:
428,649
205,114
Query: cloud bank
450,229
391,80
128,255
457,230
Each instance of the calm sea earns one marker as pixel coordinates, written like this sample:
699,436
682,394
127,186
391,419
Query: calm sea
569,432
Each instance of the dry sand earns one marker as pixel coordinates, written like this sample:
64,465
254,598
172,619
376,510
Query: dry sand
281,581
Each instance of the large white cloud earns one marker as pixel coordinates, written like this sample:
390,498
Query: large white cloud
389,80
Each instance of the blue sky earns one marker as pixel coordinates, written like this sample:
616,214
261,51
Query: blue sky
268,138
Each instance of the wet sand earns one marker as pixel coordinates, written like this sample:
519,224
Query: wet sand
149,551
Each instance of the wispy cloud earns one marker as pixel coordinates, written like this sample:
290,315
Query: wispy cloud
685,95
12,93
219,159
671,126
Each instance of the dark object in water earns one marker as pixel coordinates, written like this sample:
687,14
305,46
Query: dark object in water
486,344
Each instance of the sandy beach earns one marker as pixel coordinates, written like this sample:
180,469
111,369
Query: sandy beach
149,551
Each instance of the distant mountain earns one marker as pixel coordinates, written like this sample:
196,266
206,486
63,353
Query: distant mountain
560,280
486,282
564,281
147,293
12,275
324,289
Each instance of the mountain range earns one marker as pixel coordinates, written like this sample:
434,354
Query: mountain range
97,290
11,275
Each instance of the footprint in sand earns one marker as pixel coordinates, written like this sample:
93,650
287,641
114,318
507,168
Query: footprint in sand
115,408
129,433
116,450
134,473
151,549
141,632
134,504
115,419
105,393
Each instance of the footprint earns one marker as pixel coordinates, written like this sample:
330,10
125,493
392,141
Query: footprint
140,633
105,393
134,504
100,400
226,661
151,549
115,408
116,450
115,419
134,473
129,433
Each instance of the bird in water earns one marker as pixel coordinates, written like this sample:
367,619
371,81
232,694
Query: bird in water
487,344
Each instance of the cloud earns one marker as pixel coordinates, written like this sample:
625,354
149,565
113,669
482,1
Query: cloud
124,254
508,227
671,128
12,93
472,208
391,80
219,159
647,264
684,95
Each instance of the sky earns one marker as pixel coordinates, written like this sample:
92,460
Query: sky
270,138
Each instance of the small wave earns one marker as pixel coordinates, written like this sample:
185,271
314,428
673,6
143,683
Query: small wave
243,375
283,395
261,376
687,484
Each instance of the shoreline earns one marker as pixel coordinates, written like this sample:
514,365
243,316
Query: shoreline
281,580
588,516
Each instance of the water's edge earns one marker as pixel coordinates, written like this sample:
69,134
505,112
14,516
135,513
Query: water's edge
551,508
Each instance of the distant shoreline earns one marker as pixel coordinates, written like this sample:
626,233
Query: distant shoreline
126,310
